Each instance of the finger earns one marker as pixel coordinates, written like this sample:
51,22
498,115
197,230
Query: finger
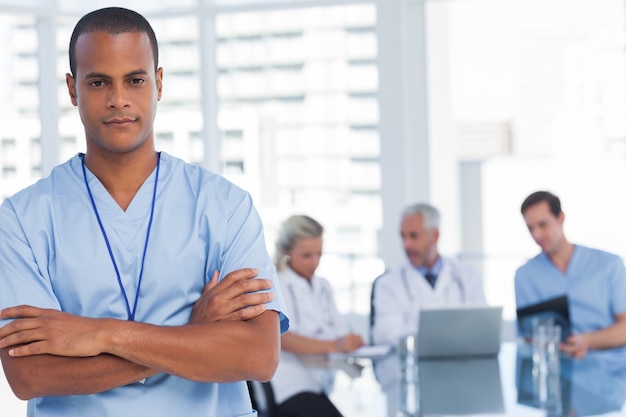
20,312
212,283
31,349
16,326
254,285
250,300
233,279
241,274
246,313
20,338
251,312
243,287
237,305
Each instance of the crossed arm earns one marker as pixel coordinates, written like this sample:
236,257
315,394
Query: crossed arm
49,352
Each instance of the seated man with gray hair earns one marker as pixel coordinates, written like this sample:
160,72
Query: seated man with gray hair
426,279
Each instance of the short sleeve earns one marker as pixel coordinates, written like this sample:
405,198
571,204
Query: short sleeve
245,247
23,274
618,287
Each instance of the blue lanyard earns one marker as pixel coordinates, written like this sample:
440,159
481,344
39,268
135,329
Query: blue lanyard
131,314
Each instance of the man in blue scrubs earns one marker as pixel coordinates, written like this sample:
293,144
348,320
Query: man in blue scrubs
109,266
593,280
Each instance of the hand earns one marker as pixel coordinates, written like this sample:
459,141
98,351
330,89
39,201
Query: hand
37,331
576,346
349,343
232,298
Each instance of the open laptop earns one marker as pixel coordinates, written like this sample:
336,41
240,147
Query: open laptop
466,331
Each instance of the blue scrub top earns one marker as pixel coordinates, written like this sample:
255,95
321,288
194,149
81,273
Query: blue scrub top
54,256
594,282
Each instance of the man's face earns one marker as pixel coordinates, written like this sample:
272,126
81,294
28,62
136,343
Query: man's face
420,244
116,90
544,227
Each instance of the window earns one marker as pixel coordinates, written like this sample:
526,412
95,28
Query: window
294,87
529,107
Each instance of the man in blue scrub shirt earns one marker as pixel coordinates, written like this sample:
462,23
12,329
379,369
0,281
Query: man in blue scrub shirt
593,280
108,267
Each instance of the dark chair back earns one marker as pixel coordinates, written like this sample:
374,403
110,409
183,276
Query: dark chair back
372,309
271,408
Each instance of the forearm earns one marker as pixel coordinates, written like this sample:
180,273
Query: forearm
607,338
302,345
49,375
223,351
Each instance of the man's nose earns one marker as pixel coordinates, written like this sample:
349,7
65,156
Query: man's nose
118,97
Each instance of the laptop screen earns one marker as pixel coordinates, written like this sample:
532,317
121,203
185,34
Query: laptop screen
459,331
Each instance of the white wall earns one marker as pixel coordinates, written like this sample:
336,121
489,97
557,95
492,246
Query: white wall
590,198
10,405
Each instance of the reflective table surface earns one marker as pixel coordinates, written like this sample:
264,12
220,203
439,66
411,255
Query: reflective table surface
509,385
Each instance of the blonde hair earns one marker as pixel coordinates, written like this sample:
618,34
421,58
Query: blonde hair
295,227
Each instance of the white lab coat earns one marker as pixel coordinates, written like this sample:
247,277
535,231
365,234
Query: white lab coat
399,294
314,314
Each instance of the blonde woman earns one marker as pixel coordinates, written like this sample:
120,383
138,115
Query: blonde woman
316,326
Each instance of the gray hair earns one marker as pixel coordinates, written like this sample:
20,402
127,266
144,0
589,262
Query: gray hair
428,212
295,227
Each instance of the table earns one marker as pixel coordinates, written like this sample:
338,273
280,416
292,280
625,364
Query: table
507,386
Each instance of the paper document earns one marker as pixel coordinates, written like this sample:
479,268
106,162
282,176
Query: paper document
369,351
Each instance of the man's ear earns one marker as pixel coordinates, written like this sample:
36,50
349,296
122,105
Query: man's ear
159,82
435,235
71,88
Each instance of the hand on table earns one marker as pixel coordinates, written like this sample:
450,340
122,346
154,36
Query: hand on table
349,343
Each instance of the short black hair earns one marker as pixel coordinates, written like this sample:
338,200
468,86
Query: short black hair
538,196
113,20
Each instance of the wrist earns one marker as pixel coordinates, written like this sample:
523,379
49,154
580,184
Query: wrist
110,336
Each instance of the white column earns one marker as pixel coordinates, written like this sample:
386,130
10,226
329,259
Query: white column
48,92
405,162
208,80
444,165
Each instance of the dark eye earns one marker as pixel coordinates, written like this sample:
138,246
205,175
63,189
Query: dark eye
97,83
137,81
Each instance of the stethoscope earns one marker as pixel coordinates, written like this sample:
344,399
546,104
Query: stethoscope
454,274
